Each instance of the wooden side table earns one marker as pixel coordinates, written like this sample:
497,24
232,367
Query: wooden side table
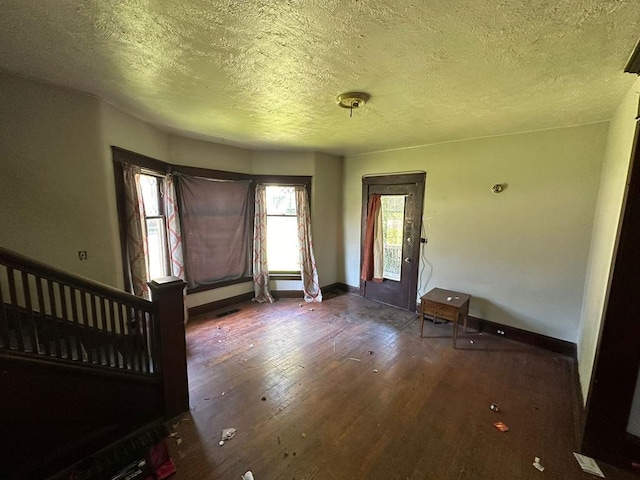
447,305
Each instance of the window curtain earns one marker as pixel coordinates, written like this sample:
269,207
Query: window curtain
308,270
136,231
216,229
372,263
174,236
260,267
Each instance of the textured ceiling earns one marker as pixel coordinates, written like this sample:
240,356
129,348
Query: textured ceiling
265,74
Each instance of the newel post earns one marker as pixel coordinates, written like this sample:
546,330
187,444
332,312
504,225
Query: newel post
167,294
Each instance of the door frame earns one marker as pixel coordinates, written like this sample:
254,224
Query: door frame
417,178
617,359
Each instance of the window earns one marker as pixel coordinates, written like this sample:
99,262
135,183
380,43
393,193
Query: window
217,229
157,259
392,210
283,248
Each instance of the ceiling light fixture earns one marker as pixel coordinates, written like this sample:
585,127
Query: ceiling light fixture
352,100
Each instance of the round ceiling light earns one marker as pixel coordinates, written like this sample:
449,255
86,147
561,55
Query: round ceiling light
352,100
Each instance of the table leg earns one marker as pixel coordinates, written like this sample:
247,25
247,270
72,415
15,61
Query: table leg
455,331
421,318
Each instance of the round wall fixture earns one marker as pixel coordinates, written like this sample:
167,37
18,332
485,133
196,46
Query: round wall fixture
497,188
352,100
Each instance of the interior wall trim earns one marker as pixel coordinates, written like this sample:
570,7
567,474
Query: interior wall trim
551,344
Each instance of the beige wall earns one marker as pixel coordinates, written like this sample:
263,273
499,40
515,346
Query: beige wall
198,153
122,130
521,254
326,205
54,195
605,229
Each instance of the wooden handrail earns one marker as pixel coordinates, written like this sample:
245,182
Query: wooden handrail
49,317
24,263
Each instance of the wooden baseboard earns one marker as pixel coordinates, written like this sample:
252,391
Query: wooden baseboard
218,304
523,336
530,338
348,288
227,302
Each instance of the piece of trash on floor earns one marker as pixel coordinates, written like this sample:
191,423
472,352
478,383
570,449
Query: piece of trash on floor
355,359
537,464
251,345
494,407
304,435
221,442
173,434
501,426
178,441
375,370
278,440
285,454
589,465
223,393
300,305
311,309
248,476
207,398
471,341
370,352
228,433
264,399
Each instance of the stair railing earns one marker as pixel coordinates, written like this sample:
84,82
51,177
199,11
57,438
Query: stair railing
52,315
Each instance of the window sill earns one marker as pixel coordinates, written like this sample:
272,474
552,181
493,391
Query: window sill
284,276
213,286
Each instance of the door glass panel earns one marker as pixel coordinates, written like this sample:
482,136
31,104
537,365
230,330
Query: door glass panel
392,235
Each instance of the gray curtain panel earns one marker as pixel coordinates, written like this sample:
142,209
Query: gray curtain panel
216,217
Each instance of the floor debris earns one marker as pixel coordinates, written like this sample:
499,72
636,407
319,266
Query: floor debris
355,359
278,440
264,399
248,476
375,370
589,465
370,352
494,407
304,435
501,426
178,441
311,309
228,433
537,464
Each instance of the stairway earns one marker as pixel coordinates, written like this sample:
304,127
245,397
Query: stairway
82,365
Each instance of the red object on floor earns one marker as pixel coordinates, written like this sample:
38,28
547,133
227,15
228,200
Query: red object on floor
160,462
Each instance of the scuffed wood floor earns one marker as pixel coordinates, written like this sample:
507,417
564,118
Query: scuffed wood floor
411,409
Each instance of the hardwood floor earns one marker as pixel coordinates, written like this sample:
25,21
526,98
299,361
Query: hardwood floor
347,389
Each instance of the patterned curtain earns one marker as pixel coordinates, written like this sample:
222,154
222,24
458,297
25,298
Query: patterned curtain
136,231
373,215
308,269
260,267
174,236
